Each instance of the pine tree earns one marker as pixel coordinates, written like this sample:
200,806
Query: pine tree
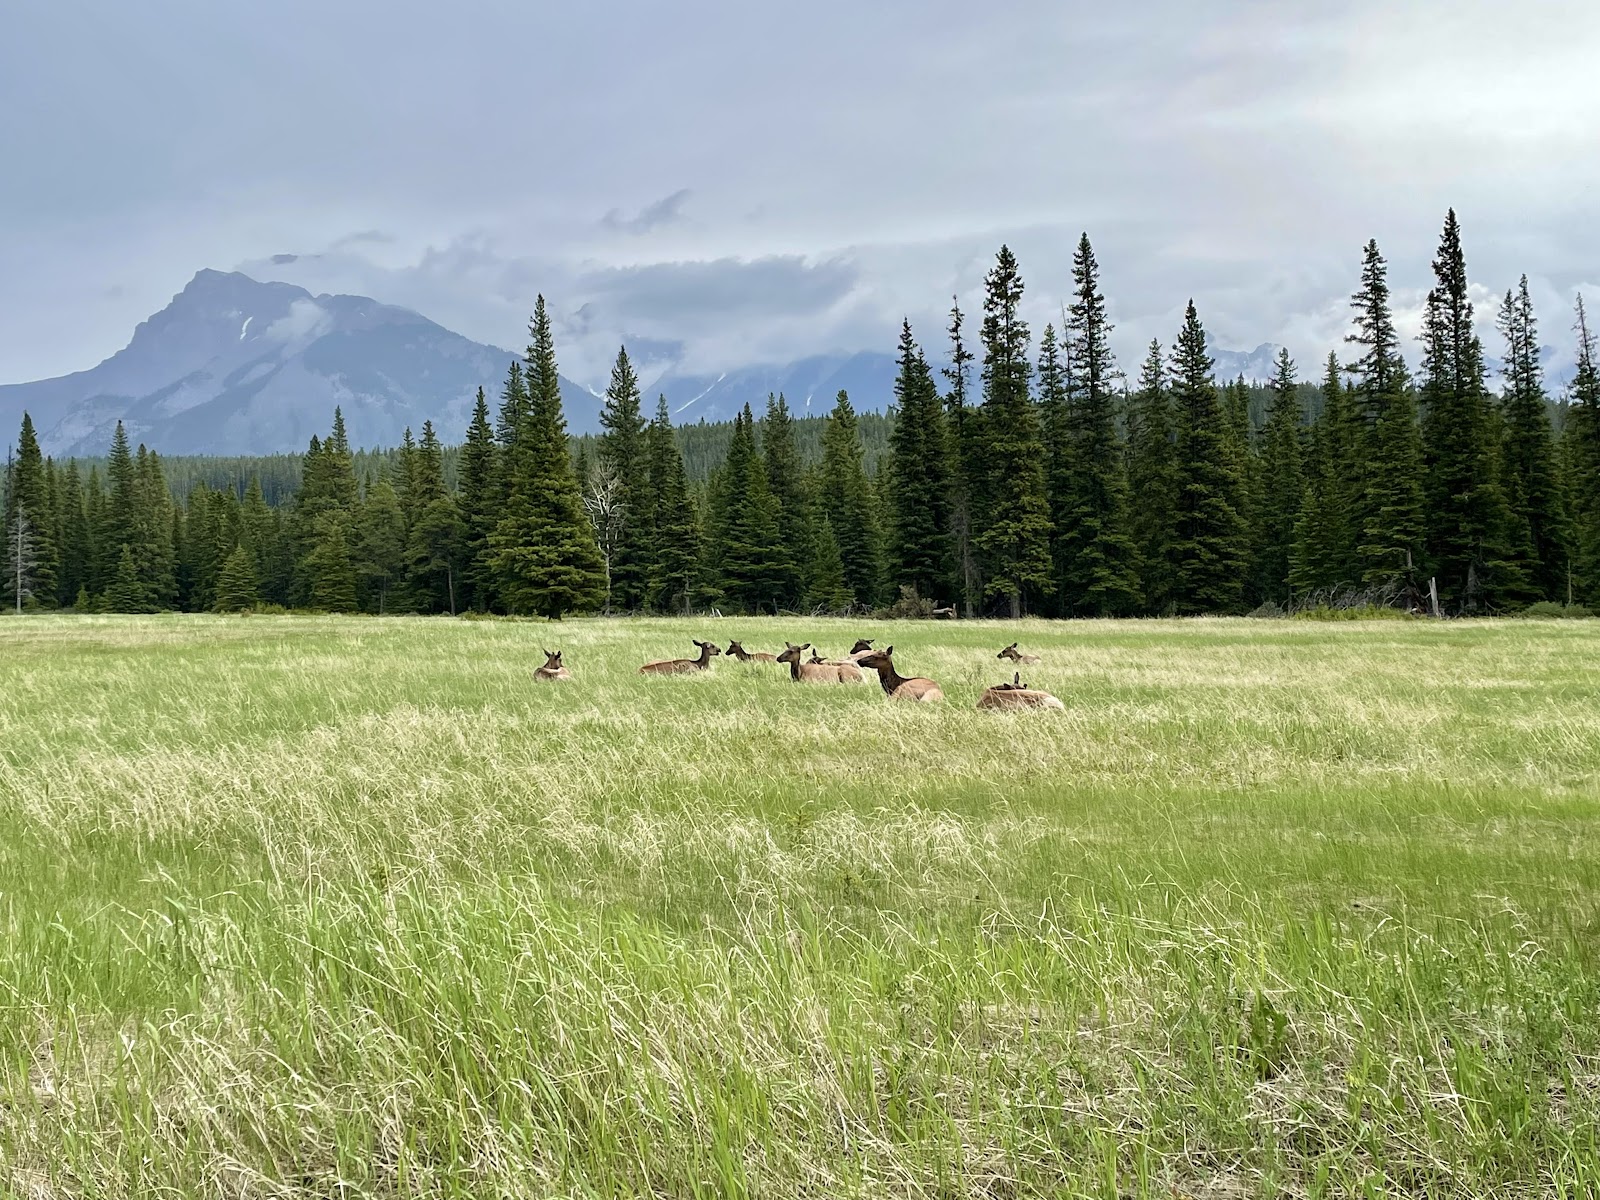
118,512
237,587
94,516
1014,528
327,488
1532,482
381,546
964,428
198,561
786,481
433,530
621,451
675,538
260,531
828,590
1056,431
1283,485
1153,483
125,593
1246,497
153,547
846,499
1094,551
1209,549
1390,504
77,551
1326,532
478,499
918,478
513,407
1581,444
27,492
1467,516
544,552
331,571
744,525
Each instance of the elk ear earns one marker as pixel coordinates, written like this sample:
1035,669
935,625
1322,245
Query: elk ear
890,650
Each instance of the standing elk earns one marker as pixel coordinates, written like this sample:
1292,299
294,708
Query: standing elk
1014,696
816,671
1018,656
683,666
897,686
552,671
737,650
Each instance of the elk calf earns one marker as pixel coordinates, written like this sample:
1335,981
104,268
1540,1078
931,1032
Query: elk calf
1015,696
737,650
682,666
816,671
552,671
1017,656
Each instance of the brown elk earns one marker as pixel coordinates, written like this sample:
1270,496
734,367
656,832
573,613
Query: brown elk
860,650
1018,656
816,671
1014,696
895,685
552,671
737,650
682,666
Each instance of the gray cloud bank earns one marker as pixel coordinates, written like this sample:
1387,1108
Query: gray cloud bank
759,183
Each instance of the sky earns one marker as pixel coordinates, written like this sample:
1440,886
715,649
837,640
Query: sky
757,182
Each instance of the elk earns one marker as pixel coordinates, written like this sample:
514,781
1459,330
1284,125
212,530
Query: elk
682,666
1014,696
737,650
1018,656
816,671
552,671
895,685
860,650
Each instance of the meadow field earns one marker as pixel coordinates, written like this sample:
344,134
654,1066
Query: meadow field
344,907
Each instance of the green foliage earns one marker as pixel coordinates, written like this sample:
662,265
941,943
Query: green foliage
846,500
674,570
27,492
1537,533
1209,550
1581,443
237,589
479,501
1326,530
919,482
1154,481
1283,484
744,556
1011,508
786,481
621,449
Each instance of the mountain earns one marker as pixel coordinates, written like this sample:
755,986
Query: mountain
1257,366
810,385
235,366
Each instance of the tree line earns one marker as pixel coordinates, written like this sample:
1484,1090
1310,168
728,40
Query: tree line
1020,477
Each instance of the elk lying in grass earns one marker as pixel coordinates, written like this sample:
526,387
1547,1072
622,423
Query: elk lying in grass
816,671
737,650
682,666
1016,695
552,671
1018,656
860,650
895,685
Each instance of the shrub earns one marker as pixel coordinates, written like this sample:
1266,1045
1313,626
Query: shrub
1549,609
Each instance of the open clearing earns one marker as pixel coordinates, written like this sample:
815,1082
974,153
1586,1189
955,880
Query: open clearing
350,907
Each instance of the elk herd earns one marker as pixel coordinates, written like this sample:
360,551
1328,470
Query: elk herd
850,668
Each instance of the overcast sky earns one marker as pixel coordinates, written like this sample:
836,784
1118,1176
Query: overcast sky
762,181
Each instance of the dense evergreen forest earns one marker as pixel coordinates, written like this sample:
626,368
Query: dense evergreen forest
1026,477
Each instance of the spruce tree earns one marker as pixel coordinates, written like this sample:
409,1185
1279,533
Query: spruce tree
1390,505
433,530
1055,424
1094,550
237,586
27,492
380,555
544,553
675,539
154,549
1581,444
77,553
478,498
621,450
846,499
1467,516
94,517
330,569
1283,484
1327,530
744,525
919,482
259,529
1209,549
828,590
964,428
1153,483
513,407
125,593
1532,481
121,503
786,482
1013,532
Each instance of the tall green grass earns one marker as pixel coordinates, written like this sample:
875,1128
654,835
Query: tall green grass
350,907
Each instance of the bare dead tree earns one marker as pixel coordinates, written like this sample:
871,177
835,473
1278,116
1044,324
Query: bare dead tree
608,513
21,557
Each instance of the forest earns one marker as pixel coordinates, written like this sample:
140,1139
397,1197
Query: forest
1024,478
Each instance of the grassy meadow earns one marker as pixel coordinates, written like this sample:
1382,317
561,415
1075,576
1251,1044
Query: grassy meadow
344,907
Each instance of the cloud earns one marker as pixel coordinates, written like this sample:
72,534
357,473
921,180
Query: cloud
666,211
305,320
